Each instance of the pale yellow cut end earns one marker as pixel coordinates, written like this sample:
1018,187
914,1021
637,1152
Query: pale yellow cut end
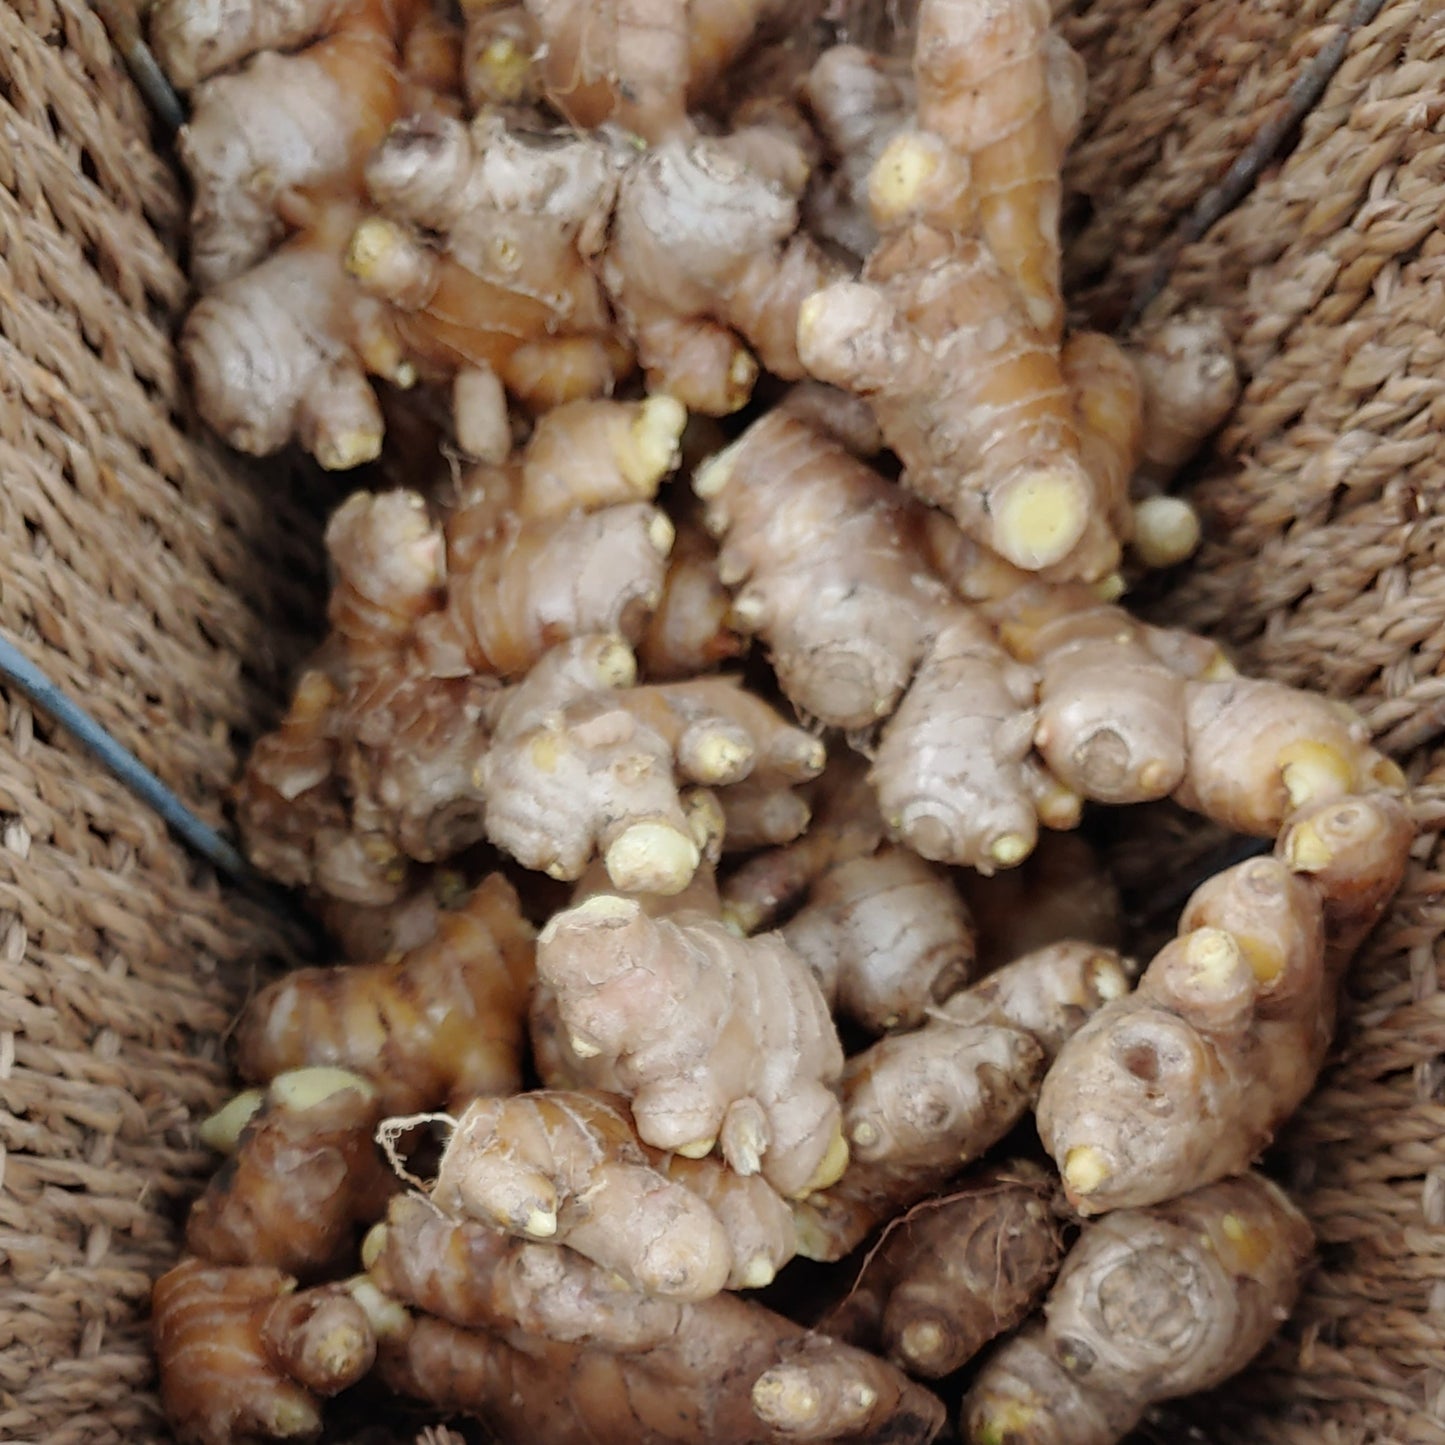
652,858
1233,1228
223,1129
601,905
291,1417
503,72
907,163
1214,957
741,378
810,1239
721,758
545,751
758,1273
1110,588
616,664
705,819
810,316
1306,851
373,1245
1010,850
374,246
864,1134
661,534
1266,961
1155,779
1312,771
582,1048
834,1162
1040,516
299,1089
654,440
786,1398
388,1319
922,1341
540,1224
712,476
1085,1169
747,613
348,449
698,1149
1108,978
1166,531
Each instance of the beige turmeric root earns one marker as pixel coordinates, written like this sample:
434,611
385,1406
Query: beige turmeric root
431,1029
720,1041
731,1371
918,1107
567,1167
242,1354
1151,1304
831,574
305,1173
956,1272
1185,1081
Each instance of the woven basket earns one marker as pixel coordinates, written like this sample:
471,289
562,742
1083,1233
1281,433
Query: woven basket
171,588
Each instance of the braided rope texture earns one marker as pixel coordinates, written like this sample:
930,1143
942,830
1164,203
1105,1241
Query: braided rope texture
171,590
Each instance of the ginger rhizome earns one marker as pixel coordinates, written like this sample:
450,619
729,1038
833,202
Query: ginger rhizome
956,1272
918,1107
1186,1080
304,1174
720,1042
1151,1304
431,1029
243,1354
830,574
568,1167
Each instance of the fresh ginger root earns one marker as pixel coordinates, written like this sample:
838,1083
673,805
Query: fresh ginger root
575,770
728,1370
431,1029
283,349
479,1277
304,1173
1186,1080
520,221
918,1107
560,543
1151,1304
720,1041
832,575
301,121
243,1354
690,631
956,1272
567,1167
638,63
706,250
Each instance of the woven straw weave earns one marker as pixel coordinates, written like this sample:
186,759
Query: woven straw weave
159,582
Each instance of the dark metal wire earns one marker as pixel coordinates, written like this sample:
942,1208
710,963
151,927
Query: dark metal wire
123,26
27,678
1269,140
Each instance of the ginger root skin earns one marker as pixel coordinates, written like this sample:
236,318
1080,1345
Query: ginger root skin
304,1175
958,1271
566,1167
1151,1304
720,1041
431,1029
242,1354
1186,1080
